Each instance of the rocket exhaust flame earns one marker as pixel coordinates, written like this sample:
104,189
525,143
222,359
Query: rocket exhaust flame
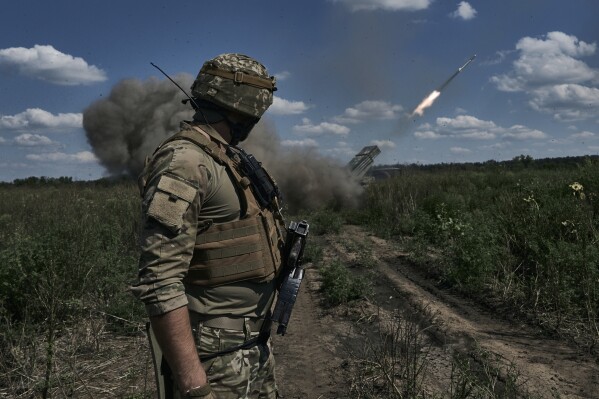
428,101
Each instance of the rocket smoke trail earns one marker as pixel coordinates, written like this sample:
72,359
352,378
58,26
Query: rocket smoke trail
137,115
430,99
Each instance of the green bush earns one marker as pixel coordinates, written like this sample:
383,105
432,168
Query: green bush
339,285
325,222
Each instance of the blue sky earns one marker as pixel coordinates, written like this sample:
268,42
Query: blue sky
350,73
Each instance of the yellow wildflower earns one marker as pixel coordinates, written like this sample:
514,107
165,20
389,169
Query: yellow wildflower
576,186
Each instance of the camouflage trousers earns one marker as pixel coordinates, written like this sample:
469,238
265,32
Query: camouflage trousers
243,374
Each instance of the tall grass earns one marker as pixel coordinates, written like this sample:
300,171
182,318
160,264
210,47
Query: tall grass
527,236
67,254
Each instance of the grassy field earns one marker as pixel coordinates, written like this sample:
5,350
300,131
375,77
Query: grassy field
67,255
522,237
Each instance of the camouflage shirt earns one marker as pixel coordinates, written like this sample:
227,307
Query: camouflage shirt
167,242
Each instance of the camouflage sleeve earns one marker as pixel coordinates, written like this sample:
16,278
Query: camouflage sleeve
176,183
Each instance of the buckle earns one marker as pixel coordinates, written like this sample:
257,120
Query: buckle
238,78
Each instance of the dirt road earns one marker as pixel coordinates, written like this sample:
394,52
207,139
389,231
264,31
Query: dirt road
312,356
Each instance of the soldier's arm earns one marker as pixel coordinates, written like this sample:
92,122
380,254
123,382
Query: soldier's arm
175,188
173,333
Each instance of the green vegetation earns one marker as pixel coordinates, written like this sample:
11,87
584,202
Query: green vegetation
525,234
339,285
67,255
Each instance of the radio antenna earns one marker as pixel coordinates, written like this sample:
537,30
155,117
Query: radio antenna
195,105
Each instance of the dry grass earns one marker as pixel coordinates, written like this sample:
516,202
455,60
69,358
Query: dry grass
87,362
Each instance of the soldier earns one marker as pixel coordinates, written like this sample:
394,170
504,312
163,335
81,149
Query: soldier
211,238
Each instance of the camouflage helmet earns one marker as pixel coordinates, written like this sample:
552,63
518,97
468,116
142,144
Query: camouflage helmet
236,82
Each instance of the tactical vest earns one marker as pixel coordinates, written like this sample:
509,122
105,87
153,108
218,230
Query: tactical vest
247,249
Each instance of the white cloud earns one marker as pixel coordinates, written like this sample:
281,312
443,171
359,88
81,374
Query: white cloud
61,157
369,109
479,135
427,134
567,102
389,5
281,106
342,149
465,122
464,11
32,140
282,75
583,135
557,82
38,118
307,127
557,43
48,64
497,146
459,150
2,140
508,83
383,143
470,127
520,132
299,143
500,56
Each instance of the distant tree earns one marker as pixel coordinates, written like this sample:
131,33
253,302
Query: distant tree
525,160
42,181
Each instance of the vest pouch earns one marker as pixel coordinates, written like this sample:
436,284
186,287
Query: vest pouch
275,242
231,252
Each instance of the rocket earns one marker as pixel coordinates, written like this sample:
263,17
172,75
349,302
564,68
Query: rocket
456,73
467,62
428,101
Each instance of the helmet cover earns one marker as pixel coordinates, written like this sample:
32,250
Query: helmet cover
235,82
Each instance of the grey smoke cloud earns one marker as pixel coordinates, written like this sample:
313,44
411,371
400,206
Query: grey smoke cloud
137,115
307,179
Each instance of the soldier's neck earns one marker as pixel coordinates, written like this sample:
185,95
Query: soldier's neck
223,129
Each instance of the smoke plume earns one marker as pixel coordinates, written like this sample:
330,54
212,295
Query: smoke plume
128,125
137,116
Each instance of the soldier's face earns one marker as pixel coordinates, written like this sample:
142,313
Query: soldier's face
240,126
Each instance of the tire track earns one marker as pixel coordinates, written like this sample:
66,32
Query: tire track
550,367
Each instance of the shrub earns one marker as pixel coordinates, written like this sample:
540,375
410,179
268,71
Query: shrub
340,286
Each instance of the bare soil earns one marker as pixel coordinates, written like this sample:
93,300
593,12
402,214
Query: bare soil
312,357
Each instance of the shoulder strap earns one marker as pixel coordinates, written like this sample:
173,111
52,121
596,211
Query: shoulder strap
218,153
209,146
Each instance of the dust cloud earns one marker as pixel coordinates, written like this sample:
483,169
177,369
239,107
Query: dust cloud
137,116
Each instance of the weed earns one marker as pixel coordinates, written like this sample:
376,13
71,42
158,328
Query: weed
325,222
340,286
392,363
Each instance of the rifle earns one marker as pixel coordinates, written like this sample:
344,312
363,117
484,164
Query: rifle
292,274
